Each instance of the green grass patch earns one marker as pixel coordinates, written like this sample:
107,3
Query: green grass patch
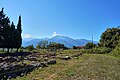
86,67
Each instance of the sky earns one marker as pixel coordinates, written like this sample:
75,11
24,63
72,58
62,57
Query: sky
77,19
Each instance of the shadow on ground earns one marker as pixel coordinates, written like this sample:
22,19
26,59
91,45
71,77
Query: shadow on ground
15,54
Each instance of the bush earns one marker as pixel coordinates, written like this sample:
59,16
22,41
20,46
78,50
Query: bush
20,50
30,47
34,51
90,45
116,51
101,50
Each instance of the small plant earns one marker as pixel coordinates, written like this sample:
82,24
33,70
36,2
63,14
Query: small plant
30,47
34,51
116,51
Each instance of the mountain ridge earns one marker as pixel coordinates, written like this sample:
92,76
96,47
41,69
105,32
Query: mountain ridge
67,41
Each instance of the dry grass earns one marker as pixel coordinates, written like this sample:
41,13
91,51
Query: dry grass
87,67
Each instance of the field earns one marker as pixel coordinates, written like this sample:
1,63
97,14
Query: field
84,67
77,49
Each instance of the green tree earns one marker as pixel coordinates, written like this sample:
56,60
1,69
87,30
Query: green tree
30,47
6,33
74,47
19,29
7,36
116,51
89,45
2,33
110,37
14,36
38,46
54,46
43,44
10,37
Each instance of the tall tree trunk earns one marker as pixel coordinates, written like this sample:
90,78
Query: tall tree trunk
11,49
17,50
7,50
3,49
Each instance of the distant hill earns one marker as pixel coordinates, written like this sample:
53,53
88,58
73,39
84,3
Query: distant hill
67,41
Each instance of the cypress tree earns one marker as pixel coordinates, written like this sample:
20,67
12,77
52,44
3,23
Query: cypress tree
2,17
6,35
19,30
4,31
12,35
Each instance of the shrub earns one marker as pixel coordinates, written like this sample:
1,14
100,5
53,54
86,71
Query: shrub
34,51
90,45
20,50
30,47
116,51
101,50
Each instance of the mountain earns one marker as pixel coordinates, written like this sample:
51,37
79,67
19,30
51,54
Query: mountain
27,39
85,41
67,41
30,41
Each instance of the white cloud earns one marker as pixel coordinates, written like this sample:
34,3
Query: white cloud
27,36
55,34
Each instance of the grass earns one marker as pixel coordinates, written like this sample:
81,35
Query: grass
86,67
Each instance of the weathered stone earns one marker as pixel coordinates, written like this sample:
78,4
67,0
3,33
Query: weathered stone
51,62
66,58
11,75
25,58
22,74
53,56
76,55
60,53
4,65
9,59
32,59
44,64
36,64
1,59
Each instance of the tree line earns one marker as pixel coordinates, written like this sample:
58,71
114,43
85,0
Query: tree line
52,46
10,35
49,45
109,39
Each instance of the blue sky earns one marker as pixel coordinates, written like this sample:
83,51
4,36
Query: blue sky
73,18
